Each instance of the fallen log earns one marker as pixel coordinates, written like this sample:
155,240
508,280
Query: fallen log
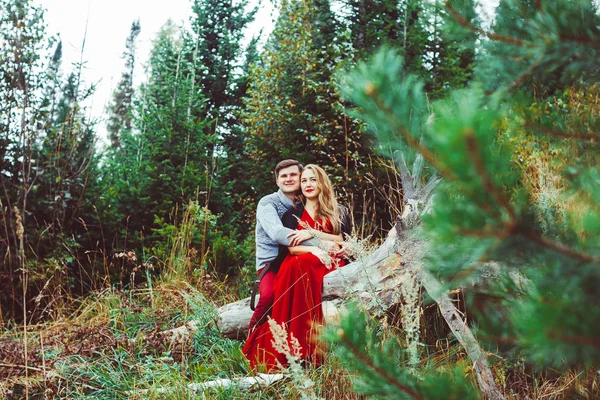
243,383
371,275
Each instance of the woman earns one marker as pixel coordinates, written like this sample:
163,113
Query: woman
299,282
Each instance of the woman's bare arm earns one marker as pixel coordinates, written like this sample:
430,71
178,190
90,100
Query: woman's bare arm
297,250
321,254
339,238
300,235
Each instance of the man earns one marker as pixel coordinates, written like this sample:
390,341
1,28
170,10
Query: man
270,233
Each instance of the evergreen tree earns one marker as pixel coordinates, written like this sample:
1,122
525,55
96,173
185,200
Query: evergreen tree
239,168
397,24
374,23
46,158
164,164
213,49
120,109
490,208
168,161
450,54
213,52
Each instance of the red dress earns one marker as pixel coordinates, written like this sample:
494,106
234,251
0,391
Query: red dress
298,286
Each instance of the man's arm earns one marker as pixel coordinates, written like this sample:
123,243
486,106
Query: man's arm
266,214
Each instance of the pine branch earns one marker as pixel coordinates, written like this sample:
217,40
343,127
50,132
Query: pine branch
558,133
584,340
473,149
511,40
367,361
515,227
484,233
525,74
410,139
580,39
494,36
559,247
428,155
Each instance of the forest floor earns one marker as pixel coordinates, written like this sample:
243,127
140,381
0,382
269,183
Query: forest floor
111,344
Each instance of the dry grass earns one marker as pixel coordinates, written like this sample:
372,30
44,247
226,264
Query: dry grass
544,158
333,381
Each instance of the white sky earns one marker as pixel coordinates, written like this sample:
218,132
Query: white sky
108,25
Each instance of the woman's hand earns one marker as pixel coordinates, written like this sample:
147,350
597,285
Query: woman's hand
298,236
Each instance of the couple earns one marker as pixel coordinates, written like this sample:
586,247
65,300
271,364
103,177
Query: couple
298,240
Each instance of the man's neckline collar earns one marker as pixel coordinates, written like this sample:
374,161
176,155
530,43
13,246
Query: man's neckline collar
284,199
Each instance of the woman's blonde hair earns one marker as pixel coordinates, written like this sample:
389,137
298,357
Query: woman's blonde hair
327,205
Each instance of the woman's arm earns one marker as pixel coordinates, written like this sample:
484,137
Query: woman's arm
297,250
339,238
321,254
298,236
326,246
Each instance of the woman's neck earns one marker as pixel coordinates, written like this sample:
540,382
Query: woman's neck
311,206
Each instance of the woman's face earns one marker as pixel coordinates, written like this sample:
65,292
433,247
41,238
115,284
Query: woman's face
308,184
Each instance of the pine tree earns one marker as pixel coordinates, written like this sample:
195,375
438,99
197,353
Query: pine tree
47,158
373,24
239,168
170,159
213,52
213,49
450,54
164,163
519,191
397,24
120,109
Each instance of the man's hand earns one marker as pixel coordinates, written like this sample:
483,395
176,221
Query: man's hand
323,256
329,246
298,236
343,252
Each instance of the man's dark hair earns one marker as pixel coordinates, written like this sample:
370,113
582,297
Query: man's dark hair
287,163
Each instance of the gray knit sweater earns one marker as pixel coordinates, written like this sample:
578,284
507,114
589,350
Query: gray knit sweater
270,232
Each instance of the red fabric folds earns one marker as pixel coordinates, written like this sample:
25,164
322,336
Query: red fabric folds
297,287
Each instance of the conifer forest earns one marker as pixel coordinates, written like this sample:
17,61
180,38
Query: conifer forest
465,146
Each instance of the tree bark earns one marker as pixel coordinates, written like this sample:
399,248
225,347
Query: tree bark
246,383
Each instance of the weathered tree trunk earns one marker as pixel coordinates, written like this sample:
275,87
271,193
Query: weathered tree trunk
246,383
413,250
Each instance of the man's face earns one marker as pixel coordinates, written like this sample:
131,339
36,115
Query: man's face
288,179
